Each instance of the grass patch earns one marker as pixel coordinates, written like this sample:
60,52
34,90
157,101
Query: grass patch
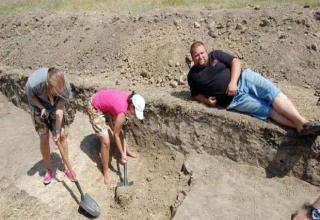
121,6
129,6
236,3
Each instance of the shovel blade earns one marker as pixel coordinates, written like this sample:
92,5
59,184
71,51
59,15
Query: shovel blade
90,206
121,184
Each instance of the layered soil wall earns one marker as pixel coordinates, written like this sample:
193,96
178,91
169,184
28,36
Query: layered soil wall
184,130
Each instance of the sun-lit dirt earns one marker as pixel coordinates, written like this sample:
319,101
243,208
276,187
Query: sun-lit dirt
193,162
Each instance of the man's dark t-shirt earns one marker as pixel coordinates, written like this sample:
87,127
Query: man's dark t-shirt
213,79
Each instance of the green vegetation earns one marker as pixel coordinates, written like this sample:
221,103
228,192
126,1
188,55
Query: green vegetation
237,3
129,6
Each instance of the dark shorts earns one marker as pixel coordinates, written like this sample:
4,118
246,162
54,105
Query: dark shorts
42,128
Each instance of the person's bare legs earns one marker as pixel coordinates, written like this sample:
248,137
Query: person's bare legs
104,149
126,147
130,153
45,150
285,107
63,148
64,144
281,119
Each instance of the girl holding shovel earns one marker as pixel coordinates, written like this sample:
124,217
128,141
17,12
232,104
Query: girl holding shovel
107,110
47,90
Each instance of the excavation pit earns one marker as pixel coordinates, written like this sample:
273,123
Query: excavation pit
193,163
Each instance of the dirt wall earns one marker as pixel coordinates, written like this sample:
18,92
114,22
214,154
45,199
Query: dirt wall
184,130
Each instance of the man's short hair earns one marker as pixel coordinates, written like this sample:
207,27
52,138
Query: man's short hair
194,45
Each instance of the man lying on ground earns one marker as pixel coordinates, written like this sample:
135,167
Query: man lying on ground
216,78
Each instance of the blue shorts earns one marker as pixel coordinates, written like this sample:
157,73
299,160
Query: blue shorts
255,95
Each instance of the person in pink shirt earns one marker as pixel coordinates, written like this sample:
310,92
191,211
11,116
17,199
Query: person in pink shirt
108,110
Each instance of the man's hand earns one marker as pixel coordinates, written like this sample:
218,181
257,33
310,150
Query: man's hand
44,113
212,101
232,89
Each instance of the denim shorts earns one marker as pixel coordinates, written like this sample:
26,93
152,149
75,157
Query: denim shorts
255,95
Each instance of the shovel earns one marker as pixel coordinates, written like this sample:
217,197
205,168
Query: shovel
125,181
87,203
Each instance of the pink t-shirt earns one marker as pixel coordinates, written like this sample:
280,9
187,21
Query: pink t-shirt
111,101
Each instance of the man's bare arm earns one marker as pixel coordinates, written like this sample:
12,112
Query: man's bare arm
235,74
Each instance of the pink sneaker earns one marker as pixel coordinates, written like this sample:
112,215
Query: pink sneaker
71,175
47,177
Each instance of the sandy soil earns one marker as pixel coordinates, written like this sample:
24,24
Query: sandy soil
182,171
22,191
223,189
208,186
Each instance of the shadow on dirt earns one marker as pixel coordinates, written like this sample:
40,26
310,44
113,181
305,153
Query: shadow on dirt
90,145
70,192
288,154
184,95
39,167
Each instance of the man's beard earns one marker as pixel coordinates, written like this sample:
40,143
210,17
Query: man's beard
205,63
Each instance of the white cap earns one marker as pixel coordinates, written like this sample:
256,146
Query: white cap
139,103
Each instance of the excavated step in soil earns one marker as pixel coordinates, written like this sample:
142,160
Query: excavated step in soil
22,192
183,169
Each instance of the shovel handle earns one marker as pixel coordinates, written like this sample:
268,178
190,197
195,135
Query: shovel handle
79,188
125,174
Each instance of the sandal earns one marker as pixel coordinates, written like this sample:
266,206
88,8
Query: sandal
311,128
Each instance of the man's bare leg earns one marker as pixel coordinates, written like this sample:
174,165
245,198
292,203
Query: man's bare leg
281,119
104,149
285,107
